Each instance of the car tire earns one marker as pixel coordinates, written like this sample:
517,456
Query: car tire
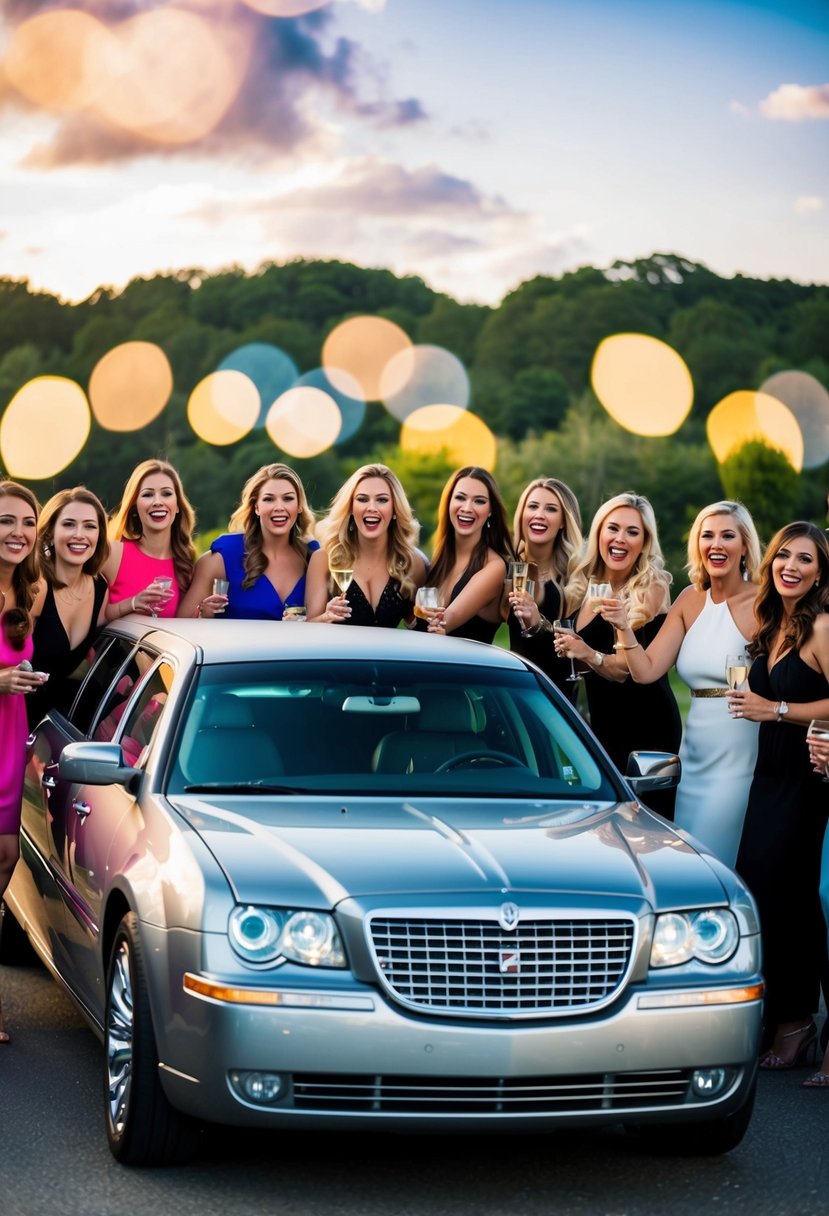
15,947
142,1127
711,1138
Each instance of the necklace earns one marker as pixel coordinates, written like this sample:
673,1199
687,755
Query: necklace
67,595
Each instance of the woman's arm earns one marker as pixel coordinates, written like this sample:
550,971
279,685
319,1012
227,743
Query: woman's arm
750,705
199,599
481,592
612,666
648,666
318,605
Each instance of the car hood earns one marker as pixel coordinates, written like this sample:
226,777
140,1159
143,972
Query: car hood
300,852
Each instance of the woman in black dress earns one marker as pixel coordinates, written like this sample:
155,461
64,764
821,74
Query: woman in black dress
472,548
371,531
779,856
72,596
622,549
547,535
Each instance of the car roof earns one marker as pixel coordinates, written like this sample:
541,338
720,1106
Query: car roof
229,641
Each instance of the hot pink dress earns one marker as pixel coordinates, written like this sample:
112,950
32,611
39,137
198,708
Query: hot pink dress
137,571
13,733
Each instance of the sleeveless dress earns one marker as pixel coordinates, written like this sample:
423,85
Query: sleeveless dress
779,855
261,602
137,571
476,628
14,730
627,716
392,606
539,648
53,653
718,752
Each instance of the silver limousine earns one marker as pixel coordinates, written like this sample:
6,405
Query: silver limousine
313,876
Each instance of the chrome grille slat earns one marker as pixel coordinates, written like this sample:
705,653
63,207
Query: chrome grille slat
457,966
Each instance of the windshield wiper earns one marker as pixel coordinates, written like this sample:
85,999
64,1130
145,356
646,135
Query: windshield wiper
242,787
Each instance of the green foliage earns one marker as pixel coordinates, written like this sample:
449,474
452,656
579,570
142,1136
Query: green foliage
761,477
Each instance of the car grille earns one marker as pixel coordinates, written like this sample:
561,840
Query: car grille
475,968
490,1095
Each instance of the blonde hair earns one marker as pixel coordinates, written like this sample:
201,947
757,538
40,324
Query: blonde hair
568,542
126,523
697,574
338,535
244,519
648,571
46,532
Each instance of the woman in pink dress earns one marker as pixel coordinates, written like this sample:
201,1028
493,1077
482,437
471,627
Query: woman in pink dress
151,556
18,583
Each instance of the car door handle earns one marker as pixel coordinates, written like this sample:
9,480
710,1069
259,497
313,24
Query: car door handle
49,782
83,809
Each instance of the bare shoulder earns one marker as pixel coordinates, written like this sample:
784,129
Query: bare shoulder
688,605
113,561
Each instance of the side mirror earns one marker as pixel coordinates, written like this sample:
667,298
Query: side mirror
648,771
96,764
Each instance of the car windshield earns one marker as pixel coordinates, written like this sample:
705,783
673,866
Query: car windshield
384,728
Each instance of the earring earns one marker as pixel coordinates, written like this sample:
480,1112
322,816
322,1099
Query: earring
352,527
47,552
744,568
393,518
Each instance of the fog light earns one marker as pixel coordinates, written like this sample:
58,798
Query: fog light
708,1082
263,1088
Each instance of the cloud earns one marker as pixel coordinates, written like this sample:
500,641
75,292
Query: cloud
293,70
796,102
808,204
435,243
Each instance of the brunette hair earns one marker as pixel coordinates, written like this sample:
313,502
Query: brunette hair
17,621
568,542
495,535
244,519
768,607
46,532
743,522
338,534
649,568
126,524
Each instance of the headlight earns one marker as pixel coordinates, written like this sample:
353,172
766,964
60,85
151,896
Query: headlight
263,935
710,936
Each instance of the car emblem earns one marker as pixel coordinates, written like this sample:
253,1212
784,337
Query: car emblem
509,962
509,916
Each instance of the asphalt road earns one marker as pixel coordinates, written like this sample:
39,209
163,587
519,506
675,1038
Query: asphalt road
54,1160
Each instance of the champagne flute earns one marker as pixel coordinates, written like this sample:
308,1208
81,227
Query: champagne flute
736,670
162,583
530,590
568,625
598,591
518,572
221,586
428,600
343,579
819,729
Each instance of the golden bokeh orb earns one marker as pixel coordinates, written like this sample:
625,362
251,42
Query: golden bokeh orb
44,427
304,421
361,347
130,386
223,407
745,416
643,383
464,437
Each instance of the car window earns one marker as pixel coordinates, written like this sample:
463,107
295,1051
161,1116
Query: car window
115,703
142,720
112,654
391,727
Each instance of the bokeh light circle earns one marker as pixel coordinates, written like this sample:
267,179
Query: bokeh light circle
346,393
45,425
304,422
223,407
285,8
745,416
130,386
51,59
270,368
643,383
463,436
361,347
809,402
423,375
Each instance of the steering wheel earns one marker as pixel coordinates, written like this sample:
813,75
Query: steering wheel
499,759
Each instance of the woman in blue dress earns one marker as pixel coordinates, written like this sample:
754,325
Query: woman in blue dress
263,556
371,531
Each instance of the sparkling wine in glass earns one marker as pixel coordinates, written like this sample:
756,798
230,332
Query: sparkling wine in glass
530,590
343,579
162,583
819,729
568,625
596,592
427,601
518,572
736,670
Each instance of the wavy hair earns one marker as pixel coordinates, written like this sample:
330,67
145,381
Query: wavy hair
244,519
697,574
496,536
17,621
568,542
125,523
338,534
768,607
648,571
46,532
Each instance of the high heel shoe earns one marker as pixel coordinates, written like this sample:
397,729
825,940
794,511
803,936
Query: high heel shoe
818,1080
770,1059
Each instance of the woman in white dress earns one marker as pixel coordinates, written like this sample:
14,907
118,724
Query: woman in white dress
708,621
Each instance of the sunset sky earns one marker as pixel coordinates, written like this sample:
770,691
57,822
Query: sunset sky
473,142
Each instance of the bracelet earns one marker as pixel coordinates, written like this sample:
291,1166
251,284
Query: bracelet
622,646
